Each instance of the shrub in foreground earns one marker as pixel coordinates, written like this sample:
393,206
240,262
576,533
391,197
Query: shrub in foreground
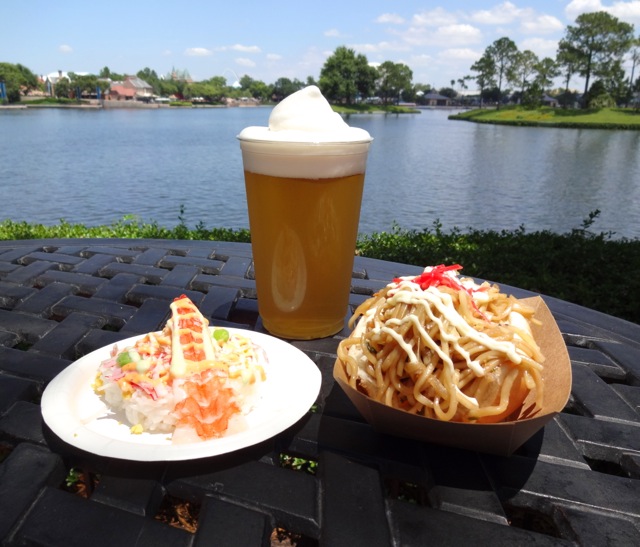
590,269
587,268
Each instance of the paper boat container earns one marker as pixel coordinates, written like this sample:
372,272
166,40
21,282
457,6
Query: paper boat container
500,438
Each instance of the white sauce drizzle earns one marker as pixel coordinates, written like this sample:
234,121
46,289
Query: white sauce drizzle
179,365
407,292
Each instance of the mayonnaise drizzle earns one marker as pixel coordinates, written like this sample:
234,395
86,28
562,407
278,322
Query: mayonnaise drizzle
406,292
180,366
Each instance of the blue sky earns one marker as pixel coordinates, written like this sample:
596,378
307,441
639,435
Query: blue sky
439,40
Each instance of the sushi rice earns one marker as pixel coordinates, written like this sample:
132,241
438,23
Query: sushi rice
201,398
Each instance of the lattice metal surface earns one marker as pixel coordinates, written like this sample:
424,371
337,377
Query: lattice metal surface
577,482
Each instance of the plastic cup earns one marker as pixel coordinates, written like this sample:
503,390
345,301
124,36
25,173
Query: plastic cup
304,207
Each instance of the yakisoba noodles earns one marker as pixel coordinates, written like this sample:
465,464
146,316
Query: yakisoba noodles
444,347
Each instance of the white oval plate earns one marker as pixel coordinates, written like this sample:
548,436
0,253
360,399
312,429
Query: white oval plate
79,417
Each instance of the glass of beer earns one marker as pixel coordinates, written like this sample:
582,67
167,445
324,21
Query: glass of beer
304,190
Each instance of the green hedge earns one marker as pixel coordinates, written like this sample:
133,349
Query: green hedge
584,267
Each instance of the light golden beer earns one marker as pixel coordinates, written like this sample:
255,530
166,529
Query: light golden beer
303,234
304,177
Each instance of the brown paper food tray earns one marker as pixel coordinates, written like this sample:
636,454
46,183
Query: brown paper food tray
501,438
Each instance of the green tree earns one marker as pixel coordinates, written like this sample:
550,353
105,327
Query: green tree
532,96
392,79
448,92
366,76
599,97
523,69
503,52
419,91
595,43
168,87
635,61
615,84
106,73
246,81
87,83
63,88
567,60
546,70
260,90
211,91
17,79
255,88
151,77
462,82
219,81
283,87
29,80
486,77
491,94
346,75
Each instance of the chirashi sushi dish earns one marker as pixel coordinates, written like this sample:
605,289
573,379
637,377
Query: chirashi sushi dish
444,347
188,380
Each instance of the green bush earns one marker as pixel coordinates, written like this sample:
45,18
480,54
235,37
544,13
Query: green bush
584,267
54,101
591,269
129,227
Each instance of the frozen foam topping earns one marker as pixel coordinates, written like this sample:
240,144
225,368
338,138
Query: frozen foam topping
305,116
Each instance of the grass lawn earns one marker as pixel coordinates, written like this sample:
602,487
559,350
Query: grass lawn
605,118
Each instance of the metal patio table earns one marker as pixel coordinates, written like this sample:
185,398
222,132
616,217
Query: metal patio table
576,482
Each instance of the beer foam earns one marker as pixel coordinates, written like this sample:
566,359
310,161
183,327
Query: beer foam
303,139
305,116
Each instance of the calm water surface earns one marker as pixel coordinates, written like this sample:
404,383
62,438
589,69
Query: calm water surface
95,167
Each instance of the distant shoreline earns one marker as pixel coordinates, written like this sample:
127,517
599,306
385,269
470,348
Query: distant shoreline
627,119
116,105
137,105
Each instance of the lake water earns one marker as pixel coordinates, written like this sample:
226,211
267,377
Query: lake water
96,166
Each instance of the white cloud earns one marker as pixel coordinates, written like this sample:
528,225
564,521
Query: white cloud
390,19
309,64
440,43
458,34
542,24
243,61
541,47
198,52
332,33
421,60
380,47
365,48
460,54
628,12
499,15
576,7
447,35
273,57
434,18
64,48
245,49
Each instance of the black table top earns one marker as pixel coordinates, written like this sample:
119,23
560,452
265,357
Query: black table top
576,482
